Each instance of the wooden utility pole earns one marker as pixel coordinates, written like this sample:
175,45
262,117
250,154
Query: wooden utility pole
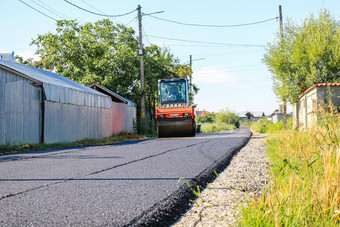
190,79
284,101
141,59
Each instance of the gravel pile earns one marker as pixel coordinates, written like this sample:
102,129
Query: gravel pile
245,176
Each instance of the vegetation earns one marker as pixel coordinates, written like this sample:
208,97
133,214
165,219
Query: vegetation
120,137
267,126
305,178
217,122
216,127
306,54
107,54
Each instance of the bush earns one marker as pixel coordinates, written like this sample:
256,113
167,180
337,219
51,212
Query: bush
216,127
207,118
227,117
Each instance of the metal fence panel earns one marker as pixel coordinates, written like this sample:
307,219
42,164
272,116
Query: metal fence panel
22,113
67,123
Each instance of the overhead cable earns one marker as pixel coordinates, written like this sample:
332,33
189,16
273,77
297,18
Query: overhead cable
92,7
42,6
37,10
56,12
203,42
212,25
99,14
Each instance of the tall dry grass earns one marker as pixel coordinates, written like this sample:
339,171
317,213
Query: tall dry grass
305,178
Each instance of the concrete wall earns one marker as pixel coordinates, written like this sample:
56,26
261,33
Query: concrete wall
20,110
305,111
276,118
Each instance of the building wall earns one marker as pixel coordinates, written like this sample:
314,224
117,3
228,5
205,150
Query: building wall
277,117
20,110
305,111
67,122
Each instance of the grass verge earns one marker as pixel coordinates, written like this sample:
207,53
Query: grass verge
216,127
305,179
120,137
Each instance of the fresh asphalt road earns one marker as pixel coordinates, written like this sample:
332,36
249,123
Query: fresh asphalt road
103,185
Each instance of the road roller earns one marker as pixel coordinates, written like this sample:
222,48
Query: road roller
174,115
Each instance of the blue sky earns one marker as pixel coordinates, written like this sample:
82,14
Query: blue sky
229,76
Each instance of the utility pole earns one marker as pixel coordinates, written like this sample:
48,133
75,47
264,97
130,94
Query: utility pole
141,59
284,101
190,79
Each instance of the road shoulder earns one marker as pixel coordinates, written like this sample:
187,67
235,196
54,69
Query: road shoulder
245,176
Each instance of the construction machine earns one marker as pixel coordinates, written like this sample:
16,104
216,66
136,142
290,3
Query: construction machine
174,115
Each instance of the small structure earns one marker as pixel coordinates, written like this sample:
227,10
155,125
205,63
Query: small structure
202,113
250,116
276,116
310,101
7,56
123,111
38,106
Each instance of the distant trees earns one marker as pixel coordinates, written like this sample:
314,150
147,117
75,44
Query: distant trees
107,54
307,54
221,117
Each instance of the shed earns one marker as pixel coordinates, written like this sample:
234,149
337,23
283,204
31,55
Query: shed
114,96
124,112
310,101
250,116
202,113
276,116
45,107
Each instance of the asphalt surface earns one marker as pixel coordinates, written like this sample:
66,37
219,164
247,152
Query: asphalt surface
132,184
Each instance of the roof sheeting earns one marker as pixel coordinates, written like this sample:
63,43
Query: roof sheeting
115,97
58,88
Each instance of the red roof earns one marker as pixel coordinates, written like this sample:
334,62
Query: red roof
319,85
201,113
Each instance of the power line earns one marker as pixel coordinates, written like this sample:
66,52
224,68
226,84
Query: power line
145,35
37,10
42,6
203,42
213,25
130,21
99,14
59,13
92,7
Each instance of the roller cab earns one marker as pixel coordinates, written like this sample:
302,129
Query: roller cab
175,117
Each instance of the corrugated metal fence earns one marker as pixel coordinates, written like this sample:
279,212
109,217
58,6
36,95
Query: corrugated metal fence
73,115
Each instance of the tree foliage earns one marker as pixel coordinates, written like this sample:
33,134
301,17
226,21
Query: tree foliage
207,118
107,54
307,54
228,117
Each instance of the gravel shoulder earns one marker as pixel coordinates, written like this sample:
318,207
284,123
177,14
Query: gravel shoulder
245,176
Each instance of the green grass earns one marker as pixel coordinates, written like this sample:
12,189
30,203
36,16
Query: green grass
305,179
120,137
216,127
267,126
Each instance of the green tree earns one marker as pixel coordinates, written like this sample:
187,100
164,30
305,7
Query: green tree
88,53
307,54
227,117
106,53
207,118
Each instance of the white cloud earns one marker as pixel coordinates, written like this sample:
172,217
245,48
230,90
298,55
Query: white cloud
215,75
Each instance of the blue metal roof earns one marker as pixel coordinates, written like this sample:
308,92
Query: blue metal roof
46,77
